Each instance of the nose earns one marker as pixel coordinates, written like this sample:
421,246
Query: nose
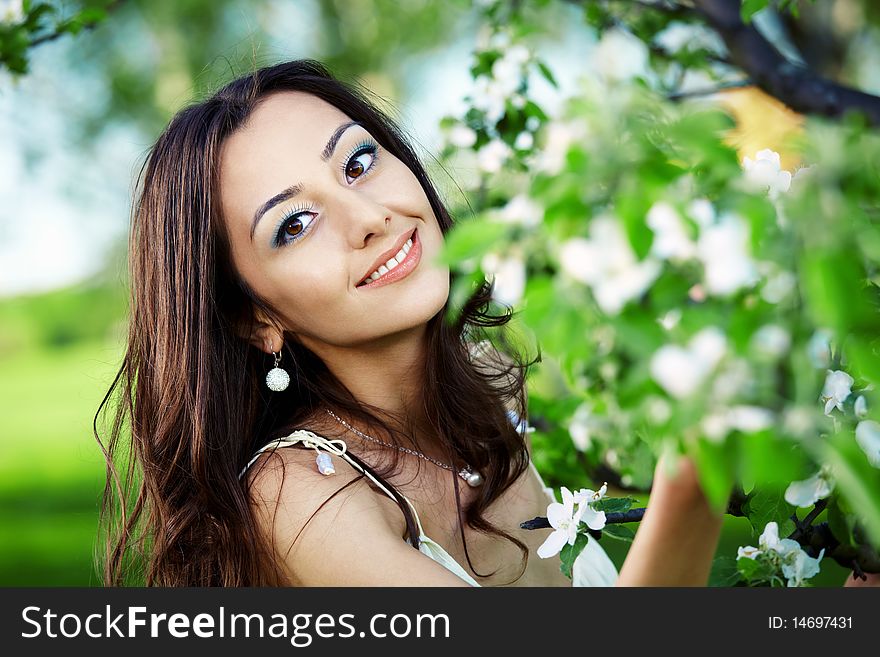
363,218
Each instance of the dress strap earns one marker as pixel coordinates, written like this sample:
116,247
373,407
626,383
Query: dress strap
335,446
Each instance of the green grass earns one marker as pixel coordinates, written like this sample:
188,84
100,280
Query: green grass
51,468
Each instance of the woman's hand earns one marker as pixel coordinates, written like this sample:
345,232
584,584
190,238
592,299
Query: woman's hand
678,536
873,579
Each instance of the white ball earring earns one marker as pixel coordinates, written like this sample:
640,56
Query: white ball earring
277,379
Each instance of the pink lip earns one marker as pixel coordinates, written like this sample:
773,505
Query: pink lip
410,262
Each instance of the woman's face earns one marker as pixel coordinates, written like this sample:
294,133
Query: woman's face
314,206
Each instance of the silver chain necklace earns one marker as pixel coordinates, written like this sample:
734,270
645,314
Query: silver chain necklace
471,476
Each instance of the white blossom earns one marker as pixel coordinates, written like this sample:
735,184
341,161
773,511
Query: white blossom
819,348
507,73
798,566
524,141
11,12
785,554
838,387
585,499
657,410
809,491
670,319
489,97
795,563
732,380
766,173
868,438
681,370
509,275
709,344
462,136
778,286
558,138
492,156
702,211
747,552
677,36
860,407
723,249
750,419
747,419
520,210
771,341
564,518
620,56
607,263
579,428
671,241
799,421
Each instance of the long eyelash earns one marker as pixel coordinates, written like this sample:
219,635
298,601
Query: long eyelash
279,240
366,146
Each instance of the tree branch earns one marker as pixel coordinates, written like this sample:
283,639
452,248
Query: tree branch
681,95
61,29
861,559
798,87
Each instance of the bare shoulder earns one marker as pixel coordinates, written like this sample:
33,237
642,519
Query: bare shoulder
335,530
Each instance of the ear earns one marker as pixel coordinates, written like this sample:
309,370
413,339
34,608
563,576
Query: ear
266,336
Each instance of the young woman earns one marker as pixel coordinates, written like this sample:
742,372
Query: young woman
285,224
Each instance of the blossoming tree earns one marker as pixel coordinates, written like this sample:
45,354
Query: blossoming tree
685,297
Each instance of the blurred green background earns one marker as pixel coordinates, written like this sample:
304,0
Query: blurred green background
108,92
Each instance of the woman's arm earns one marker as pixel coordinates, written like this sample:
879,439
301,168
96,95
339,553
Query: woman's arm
678,536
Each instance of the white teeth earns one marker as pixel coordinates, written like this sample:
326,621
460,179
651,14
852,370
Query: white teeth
392,263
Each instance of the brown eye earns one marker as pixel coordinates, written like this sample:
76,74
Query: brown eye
360,163
293,227
354,169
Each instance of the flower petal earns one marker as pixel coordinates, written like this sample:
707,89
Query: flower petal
809,491
557,514
553,544
592,518
868,438
747,552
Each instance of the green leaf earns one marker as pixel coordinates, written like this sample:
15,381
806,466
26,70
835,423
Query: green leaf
571,552
757,571
768,459
839,523
716,466
470,239
724,572
632,206
547,73
614,504
769,505
619,532
858,479
833,283
751,7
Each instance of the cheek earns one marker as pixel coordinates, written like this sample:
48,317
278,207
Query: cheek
310,297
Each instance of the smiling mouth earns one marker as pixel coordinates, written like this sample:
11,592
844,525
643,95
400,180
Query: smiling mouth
397,267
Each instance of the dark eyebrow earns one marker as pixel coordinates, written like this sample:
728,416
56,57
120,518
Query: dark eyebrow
293,190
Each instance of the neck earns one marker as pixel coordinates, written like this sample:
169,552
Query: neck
388,373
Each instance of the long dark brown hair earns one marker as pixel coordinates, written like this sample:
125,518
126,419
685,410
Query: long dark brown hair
189,405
